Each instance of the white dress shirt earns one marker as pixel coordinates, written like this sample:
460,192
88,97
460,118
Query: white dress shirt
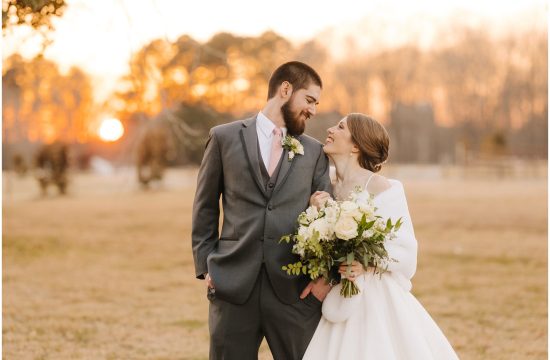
264,128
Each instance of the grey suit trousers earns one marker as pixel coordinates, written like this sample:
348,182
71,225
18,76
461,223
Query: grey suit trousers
236,331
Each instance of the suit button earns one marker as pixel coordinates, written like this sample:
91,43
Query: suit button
270,185
269,207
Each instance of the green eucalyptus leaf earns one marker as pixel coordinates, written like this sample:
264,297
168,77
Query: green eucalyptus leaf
350,258
369,224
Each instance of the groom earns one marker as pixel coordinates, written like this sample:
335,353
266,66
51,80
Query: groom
263,190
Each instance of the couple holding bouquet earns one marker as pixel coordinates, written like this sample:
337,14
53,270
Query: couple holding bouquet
319,265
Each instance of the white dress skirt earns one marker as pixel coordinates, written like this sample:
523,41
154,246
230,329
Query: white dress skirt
384,321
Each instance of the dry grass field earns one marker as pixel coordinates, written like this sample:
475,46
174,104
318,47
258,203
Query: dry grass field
107,272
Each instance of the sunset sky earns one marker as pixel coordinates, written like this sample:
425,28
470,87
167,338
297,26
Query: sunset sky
101,35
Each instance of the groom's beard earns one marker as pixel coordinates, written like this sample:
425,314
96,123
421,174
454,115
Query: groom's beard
293,124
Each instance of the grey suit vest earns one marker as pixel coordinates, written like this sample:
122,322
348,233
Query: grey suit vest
269,181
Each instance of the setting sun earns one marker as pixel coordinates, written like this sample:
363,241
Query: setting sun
111,130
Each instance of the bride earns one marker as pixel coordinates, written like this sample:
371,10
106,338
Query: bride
384,321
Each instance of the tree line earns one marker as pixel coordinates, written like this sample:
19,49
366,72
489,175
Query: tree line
483,89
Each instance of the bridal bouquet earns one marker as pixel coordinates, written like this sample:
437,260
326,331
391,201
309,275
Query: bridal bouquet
337,233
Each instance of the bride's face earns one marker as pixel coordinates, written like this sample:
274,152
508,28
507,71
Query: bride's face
339,139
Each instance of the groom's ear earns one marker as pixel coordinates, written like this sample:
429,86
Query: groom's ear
285,90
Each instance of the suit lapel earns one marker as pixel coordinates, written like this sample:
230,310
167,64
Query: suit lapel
249,137
286,166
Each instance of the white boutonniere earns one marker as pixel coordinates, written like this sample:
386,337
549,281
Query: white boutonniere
293,146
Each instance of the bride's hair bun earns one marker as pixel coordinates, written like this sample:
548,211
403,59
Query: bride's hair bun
372,140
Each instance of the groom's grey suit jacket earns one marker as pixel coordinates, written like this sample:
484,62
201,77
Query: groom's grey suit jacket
256,211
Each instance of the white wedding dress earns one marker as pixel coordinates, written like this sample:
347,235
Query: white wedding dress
384,321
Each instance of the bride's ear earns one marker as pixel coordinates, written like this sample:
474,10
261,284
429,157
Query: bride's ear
355,149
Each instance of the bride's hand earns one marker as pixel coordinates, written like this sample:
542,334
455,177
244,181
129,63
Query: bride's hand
356,269
319,198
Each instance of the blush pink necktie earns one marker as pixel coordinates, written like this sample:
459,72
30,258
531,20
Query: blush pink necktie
276,150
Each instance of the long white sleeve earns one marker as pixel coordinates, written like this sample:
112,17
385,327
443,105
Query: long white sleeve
393,204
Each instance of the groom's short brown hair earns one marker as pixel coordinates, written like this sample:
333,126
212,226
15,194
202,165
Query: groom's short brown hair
298,74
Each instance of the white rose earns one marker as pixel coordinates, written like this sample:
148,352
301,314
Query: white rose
312,213
331,214
369,216
365,206
324,229
299,148
291,155
350,208
346,228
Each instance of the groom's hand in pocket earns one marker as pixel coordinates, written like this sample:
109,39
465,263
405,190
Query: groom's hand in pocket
319,288
209,282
